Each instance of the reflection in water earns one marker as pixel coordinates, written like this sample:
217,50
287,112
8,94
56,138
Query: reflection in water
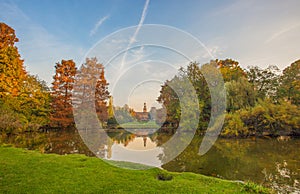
283,179
271,162
244,159
128,147
54,142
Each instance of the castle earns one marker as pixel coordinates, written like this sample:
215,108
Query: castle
142,116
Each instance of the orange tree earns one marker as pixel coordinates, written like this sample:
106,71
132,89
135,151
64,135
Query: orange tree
62,111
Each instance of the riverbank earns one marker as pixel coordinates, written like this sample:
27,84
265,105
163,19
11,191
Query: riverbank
32,172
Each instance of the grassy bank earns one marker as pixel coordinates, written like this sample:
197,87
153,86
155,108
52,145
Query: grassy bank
140,125
23,171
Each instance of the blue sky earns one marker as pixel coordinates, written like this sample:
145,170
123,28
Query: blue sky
251,31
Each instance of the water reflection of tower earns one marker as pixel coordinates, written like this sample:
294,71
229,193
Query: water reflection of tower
145,141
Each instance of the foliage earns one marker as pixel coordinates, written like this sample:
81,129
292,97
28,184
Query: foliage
265,118
264,81
12,71
9,120
123,114
259,101
234,126
252,187
240,94
91,89
62,110
24,98
230,69
290,83
170,101
35,99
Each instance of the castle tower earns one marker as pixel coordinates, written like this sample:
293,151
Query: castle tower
145,108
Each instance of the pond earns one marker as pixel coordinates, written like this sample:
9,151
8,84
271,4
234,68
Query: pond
271,162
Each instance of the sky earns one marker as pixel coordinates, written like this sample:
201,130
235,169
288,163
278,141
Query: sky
252,32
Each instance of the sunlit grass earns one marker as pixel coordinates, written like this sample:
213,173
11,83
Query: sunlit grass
140,125
23,171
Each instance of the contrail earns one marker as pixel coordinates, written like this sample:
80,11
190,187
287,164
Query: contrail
283,31
141,22
98,24
136,31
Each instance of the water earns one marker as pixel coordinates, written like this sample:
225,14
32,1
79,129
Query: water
272,162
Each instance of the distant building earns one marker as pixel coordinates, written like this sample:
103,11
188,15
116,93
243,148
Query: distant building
142,116
153,113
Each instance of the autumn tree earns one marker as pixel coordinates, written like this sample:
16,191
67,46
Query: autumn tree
12,71
101,97
62,114
24,99
230,69
111,121
92,87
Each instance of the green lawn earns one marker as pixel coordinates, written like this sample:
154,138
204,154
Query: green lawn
23,171
140,125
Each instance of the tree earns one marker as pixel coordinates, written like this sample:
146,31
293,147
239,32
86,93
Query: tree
101,97
122,114
12,71
170,101
264,81
64,78
110,108
195,74
230,69
24,98
91,89
240,94
234,126
35,101
290,83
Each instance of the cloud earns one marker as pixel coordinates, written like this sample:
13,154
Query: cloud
98,24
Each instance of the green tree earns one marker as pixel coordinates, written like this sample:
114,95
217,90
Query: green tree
290,83
264,81
35,101
281,118
170,101
230,69
24,98
234,126
240,94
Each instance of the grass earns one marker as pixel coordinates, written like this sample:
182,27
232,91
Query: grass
24,171
140,125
